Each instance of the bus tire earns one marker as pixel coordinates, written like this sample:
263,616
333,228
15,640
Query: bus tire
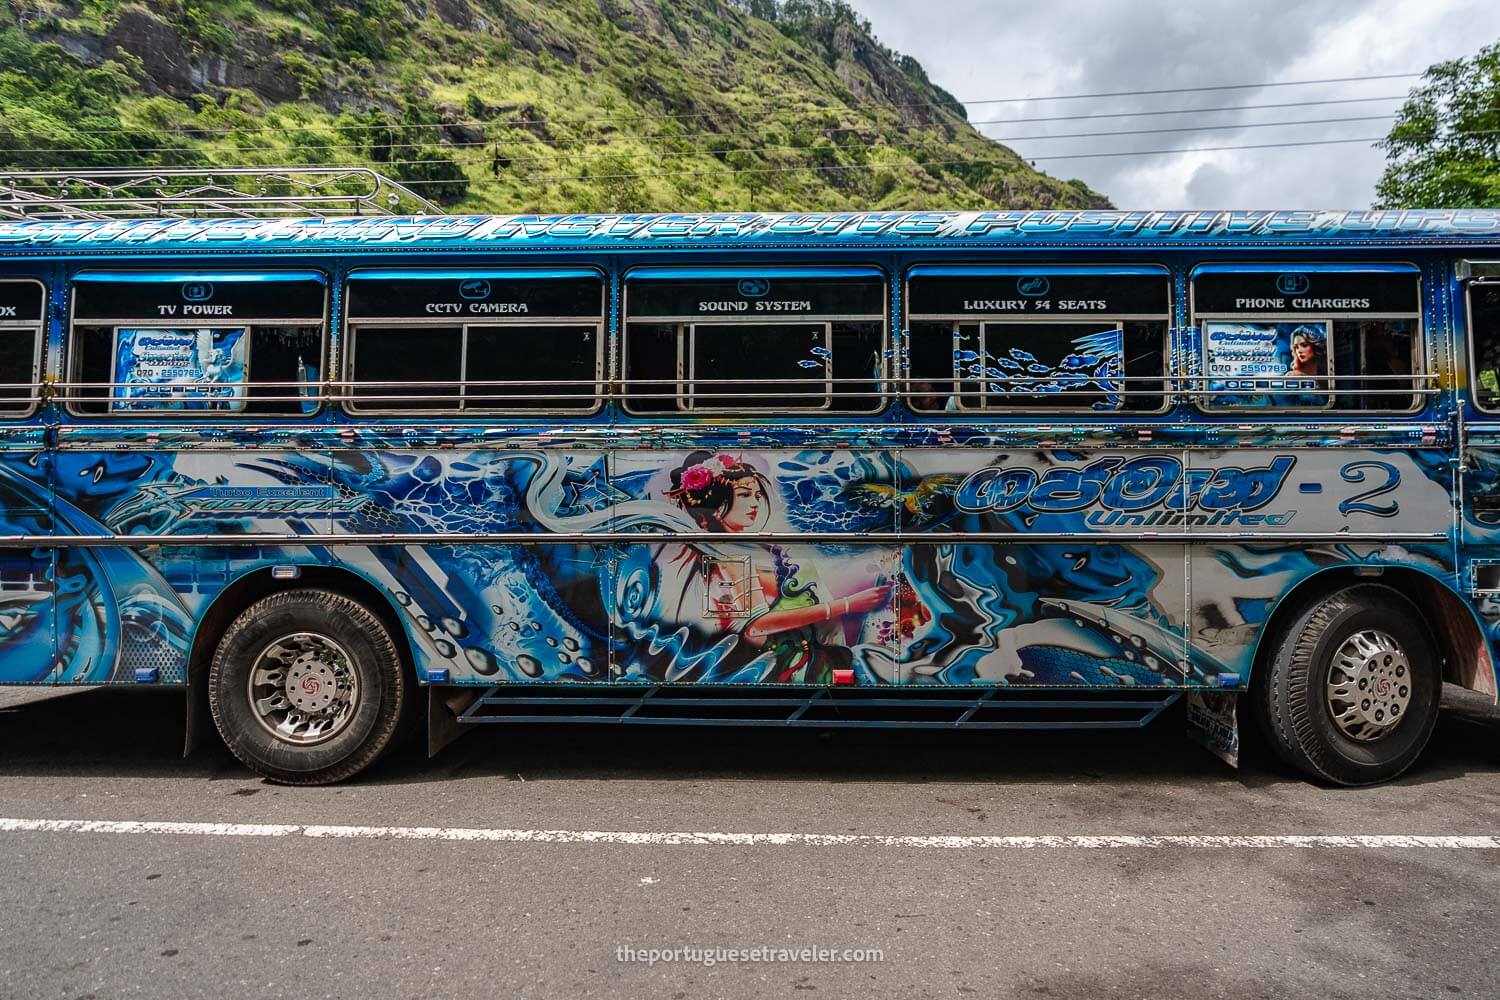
307,687
1352,691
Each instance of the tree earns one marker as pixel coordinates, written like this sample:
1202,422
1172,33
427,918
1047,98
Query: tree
1444,150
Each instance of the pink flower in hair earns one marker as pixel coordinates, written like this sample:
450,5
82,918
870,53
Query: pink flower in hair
727,462
696,478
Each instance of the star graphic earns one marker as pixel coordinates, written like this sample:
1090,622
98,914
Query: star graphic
589,489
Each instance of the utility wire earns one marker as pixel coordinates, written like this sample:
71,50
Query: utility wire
524,122
932,163
819,168
1191,90
822,168
701,151
1187,111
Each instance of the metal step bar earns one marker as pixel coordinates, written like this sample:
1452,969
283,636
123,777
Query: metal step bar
823,707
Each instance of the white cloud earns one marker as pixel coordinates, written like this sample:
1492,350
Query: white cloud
980,49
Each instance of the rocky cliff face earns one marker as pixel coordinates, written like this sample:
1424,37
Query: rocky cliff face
512,105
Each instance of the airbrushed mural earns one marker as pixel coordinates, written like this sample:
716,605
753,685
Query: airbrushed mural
913,566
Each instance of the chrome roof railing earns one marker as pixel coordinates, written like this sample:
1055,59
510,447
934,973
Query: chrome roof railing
188,193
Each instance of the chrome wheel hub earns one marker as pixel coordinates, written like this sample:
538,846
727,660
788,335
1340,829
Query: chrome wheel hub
303,688
1369,685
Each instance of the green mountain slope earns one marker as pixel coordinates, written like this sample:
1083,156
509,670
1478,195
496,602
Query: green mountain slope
509,105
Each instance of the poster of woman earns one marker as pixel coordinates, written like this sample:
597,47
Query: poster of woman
1267,364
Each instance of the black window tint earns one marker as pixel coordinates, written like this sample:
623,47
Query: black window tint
1091,365
92,350
1484,329
857,366
280,361
1368,364
756,367
537,367
407,368
1145,365
931,386
286,362
653,376
17,370
1375,359
791,361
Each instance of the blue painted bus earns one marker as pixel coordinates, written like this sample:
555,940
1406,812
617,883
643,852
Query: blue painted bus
1011,469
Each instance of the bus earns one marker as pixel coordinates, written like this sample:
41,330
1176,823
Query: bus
947,470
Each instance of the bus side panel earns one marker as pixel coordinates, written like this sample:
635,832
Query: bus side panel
1479,541
1090,601
1397,504
753,612
28,608
488,613
127,614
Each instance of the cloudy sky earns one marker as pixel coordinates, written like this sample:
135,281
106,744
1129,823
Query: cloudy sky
982,50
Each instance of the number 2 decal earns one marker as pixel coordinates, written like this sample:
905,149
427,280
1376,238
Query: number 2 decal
1355,472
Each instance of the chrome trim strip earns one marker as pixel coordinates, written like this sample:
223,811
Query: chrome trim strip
689,538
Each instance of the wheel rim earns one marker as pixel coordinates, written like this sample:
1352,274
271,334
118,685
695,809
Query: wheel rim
303,688
1369,685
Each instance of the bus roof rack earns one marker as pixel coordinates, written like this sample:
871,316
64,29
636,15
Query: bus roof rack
188,193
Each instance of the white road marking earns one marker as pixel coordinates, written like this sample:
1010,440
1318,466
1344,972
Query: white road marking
1083,841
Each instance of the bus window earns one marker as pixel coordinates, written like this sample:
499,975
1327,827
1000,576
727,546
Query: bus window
1484,334
783,340
1315,339
21,310
1063,338
476,341
229,343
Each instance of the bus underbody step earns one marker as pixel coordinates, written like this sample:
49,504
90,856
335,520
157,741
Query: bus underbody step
992,708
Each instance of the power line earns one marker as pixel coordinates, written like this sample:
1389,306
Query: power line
827,168
1195,128
822,168
1202,149
701,151
1185,111
533,122
932,163
1191,90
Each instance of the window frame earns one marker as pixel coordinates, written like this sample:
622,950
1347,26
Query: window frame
350,327
685,331
1420,377
983,393
687,384
1168,390
1469,281
38,329
74,351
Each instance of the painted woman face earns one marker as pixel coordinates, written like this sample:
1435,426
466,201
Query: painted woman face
1302,350
747,508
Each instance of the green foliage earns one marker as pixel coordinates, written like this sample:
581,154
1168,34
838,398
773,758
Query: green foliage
516,105
56,113
1444,150
367,27
200,24
309,77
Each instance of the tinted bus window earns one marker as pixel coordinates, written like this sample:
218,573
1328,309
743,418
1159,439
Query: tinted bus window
21,311
1040,340
1484,333
766,340
1310,340
228,343
497,341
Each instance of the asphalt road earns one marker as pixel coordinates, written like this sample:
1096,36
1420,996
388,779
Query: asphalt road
270,910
